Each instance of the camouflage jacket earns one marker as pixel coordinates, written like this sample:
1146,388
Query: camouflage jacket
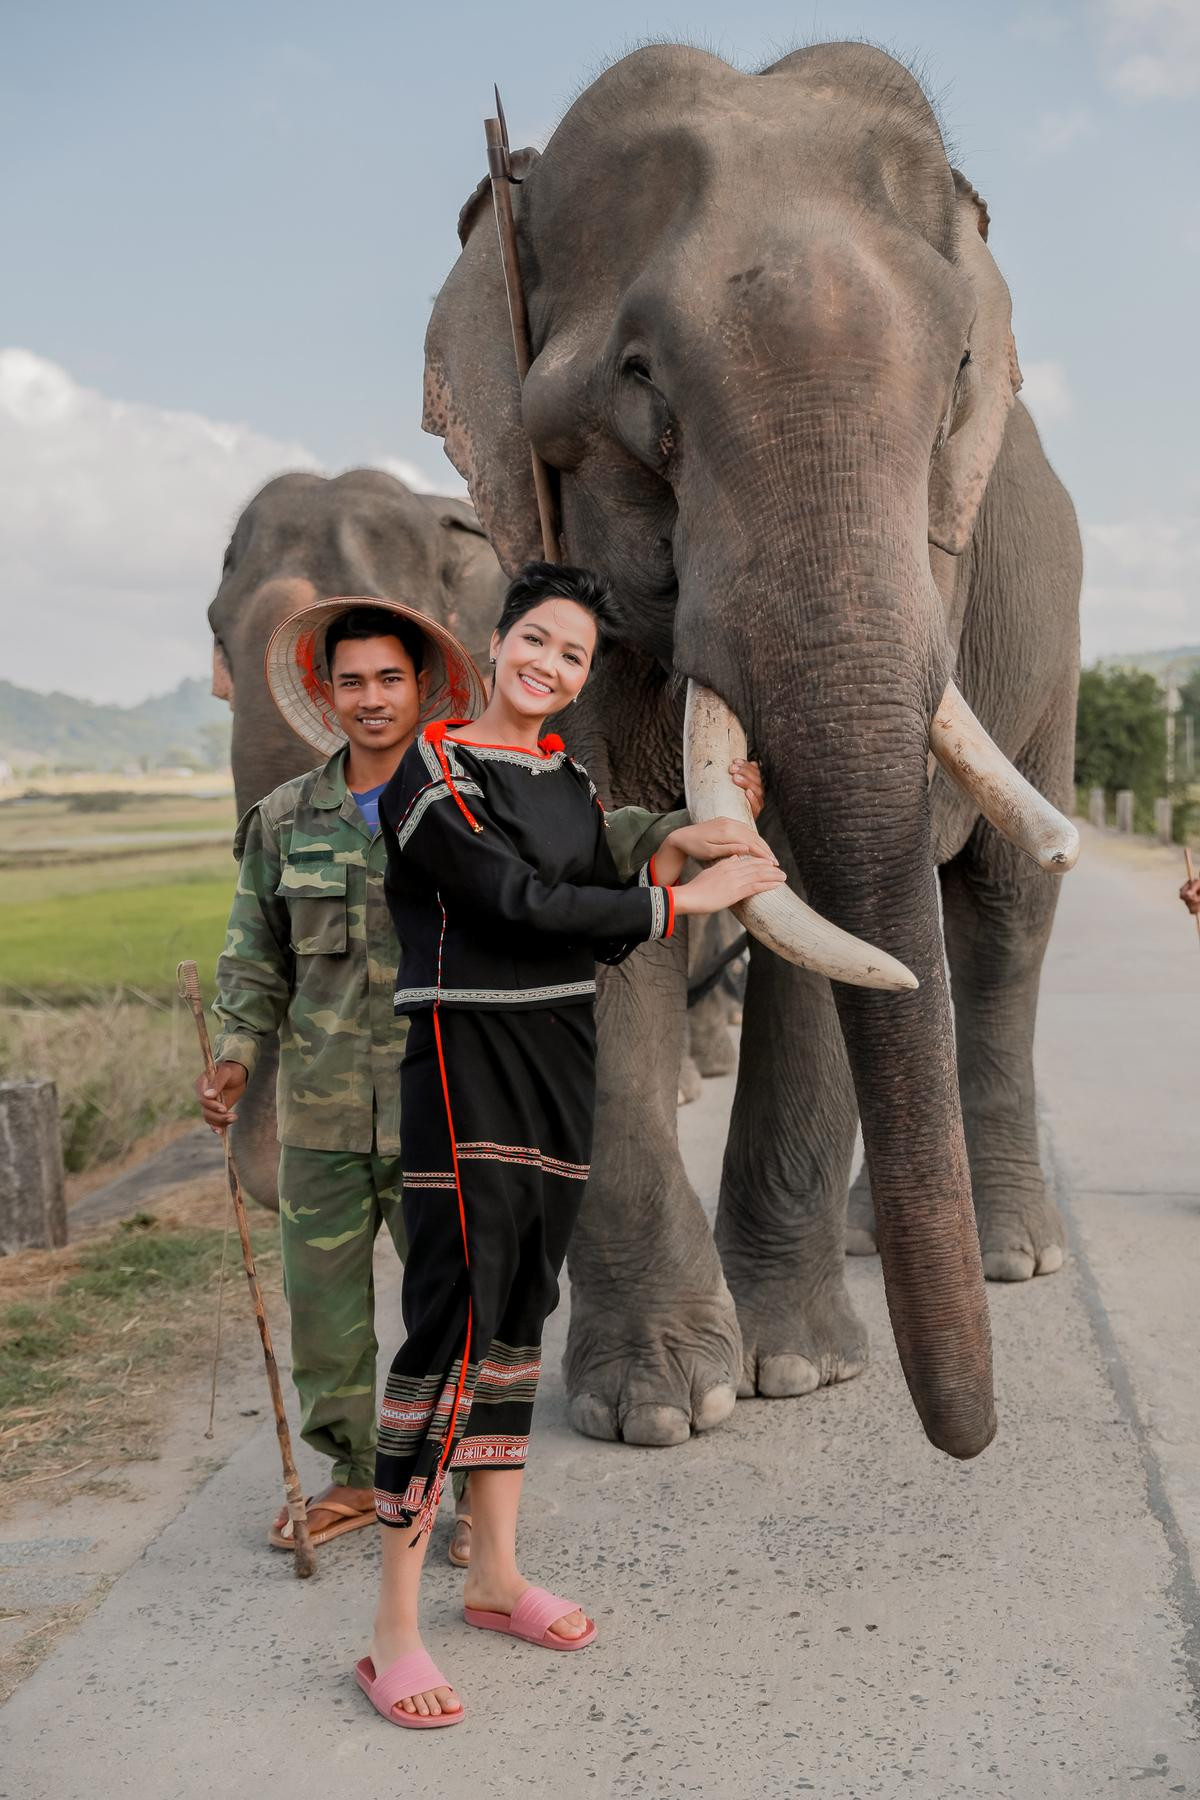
310,952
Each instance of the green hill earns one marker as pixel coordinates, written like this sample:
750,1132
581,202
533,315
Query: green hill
1180,661
60,732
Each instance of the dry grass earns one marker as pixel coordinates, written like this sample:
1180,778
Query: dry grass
93,1336
123,1068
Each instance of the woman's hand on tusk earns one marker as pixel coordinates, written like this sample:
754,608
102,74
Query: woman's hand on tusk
726,883
709,842
748,776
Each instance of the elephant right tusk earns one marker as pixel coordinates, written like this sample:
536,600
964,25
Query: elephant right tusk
712,739
1001,792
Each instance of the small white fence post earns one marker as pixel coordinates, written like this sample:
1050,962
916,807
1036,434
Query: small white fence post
1124,809
1098,808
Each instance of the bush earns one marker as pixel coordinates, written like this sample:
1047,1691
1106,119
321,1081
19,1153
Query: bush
121,1068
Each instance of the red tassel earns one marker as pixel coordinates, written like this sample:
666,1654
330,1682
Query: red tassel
433,735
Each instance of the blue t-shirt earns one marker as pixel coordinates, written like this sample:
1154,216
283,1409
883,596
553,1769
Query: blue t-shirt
368,805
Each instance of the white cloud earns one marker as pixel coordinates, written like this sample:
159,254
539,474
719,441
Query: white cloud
1141,585
1046,391
1055,132
115,516
1151,48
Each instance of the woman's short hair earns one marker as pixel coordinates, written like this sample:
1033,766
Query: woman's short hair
359,623
539,581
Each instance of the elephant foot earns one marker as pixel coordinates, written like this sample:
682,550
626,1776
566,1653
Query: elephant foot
860,1220
1020,1235
796,1339
691,1084
716,1054
649,1371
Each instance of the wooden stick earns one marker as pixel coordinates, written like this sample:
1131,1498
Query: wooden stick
500,171
306,1562
1191,875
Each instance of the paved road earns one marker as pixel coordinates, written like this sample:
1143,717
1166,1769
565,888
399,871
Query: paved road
809,1600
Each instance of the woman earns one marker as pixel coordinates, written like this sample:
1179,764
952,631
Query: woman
504,896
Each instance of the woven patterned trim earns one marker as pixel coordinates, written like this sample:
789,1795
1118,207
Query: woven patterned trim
425,800
658,912
565,990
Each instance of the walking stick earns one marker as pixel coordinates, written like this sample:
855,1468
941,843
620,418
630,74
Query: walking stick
306,1562
495,133
1191,874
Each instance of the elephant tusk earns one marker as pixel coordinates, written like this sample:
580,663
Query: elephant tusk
712,739
1000,791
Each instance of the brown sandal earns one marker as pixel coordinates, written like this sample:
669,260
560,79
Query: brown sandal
282,1537
460,1562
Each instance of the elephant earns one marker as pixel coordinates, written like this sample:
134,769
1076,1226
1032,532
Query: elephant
774,382
303,538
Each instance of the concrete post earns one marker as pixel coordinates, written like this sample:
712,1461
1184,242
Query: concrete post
1124,809
33,1212
1162,821
1098,808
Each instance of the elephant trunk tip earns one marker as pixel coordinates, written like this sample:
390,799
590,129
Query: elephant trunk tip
962,1439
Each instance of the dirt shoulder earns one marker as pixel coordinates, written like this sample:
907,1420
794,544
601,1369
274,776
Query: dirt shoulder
106,1351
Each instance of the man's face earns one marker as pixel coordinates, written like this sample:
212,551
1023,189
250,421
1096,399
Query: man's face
376,692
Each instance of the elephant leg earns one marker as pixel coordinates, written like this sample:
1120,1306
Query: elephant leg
781,1220
998,912
253,1139
709,1043
653,1350
860,1217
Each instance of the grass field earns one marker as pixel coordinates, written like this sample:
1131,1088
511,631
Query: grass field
89,905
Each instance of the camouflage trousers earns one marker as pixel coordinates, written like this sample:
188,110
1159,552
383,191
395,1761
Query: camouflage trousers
331,1206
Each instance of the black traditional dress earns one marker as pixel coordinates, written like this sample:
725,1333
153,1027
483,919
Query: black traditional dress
504,896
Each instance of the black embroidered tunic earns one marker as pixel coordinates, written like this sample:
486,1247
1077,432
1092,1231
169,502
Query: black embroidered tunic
499,880
503,894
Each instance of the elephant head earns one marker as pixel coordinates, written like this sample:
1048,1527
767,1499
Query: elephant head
308,537
772,366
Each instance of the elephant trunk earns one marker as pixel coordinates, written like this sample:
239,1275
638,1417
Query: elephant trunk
841,720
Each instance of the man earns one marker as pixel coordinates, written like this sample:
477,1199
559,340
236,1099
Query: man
1189,893
311,953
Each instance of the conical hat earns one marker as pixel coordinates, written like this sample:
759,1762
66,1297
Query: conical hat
298,677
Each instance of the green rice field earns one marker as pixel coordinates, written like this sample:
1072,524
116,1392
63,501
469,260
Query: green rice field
100,898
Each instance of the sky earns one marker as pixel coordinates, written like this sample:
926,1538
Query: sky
223,226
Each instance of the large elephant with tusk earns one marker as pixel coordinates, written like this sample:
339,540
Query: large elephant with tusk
303,538
774,378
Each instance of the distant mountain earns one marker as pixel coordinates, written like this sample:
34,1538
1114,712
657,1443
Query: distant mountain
57,730
1180,662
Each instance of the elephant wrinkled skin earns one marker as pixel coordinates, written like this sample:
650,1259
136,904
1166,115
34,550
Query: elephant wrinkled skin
774,378
305,538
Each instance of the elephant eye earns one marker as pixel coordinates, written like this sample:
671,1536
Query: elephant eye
966,357
638,367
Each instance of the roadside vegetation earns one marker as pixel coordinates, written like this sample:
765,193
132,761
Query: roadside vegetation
1121,742
123,1068
90,1334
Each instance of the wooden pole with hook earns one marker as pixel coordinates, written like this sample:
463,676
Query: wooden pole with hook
188,980
495,133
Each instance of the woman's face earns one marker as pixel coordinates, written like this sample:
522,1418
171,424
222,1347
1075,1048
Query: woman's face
544,660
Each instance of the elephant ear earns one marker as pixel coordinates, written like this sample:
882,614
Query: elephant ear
472,394
989,385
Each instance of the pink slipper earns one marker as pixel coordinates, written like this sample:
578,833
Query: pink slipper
415,1673
531,1619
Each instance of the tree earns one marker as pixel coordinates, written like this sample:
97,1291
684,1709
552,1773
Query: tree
1121,732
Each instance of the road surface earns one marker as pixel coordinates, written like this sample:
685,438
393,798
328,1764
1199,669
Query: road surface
808,1600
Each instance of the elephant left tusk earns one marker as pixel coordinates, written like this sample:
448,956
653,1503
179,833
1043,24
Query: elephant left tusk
1000,791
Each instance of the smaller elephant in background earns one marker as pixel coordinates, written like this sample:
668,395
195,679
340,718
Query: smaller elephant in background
717,952
305,538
